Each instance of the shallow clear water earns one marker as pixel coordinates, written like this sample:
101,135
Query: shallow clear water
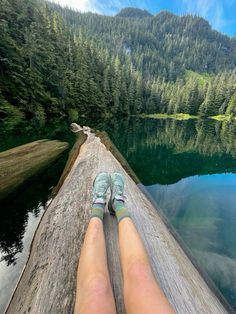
202,211
188,167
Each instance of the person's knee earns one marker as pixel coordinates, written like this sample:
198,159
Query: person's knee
98,284
139,273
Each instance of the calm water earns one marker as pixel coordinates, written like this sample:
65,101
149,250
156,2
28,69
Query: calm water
21,213
189,168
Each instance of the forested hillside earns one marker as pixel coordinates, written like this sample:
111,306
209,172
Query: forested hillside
57,62
134,13
163,45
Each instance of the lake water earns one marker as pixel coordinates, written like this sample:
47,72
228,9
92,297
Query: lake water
188,167
21,213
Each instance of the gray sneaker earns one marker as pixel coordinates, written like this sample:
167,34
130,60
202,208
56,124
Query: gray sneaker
117,189
100,187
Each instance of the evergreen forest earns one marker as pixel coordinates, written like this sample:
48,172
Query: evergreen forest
57,62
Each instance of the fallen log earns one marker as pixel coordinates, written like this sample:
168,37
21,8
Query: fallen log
18,164
47,284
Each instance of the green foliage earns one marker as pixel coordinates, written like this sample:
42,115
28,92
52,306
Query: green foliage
165,45
177,116
73,115
58,62
200,78
222,117
10,115
231,108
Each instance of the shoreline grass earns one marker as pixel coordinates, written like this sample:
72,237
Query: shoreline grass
223,117
176,116
186,116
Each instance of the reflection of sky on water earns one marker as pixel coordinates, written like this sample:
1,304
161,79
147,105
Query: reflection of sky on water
9,274
203,211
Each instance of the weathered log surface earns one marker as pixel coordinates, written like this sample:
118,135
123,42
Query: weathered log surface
48,281
18,164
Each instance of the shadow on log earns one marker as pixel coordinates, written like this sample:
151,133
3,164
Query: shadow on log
47,284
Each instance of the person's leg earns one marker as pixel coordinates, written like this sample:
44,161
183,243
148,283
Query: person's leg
93,291
141,291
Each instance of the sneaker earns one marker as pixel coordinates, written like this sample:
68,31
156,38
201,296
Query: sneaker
117,190
100,187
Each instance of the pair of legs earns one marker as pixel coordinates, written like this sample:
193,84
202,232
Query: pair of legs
94,293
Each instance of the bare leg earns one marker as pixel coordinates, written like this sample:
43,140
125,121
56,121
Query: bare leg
141,291
94,293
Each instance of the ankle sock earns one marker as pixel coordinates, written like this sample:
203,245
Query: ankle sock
120,209
98,210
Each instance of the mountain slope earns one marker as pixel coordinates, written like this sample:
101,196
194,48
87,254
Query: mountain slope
56,62
164,45
133,13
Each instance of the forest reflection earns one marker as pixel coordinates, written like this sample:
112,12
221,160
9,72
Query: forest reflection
189,168
15,210
165,151
159,151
